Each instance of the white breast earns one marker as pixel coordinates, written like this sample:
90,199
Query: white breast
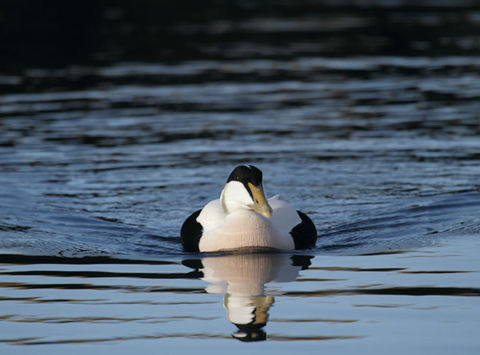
245,229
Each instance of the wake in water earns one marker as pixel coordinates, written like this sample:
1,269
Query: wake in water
36,229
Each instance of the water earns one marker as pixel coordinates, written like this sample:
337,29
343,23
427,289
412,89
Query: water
374,134
339,303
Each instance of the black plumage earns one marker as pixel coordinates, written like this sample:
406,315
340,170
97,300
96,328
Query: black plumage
191,233
304,234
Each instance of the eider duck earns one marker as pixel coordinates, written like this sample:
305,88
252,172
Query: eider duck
243,218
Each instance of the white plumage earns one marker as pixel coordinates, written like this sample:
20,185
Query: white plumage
244,228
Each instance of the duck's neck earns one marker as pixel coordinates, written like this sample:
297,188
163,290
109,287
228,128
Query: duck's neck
235,198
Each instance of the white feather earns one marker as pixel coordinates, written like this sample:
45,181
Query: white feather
212,215
284,217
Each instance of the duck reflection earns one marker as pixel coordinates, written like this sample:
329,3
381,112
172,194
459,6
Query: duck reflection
242,278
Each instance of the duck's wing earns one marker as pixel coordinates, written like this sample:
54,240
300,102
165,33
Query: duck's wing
212,215
304,234
209,217
297,223
191,233
284,217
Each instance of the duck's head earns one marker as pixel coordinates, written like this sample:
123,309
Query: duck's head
244,190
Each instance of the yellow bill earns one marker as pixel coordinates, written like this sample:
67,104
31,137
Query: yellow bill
260,203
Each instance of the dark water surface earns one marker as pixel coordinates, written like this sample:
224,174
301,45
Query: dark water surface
366,117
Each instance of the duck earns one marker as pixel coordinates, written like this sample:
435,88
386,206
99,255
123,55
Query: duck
243,218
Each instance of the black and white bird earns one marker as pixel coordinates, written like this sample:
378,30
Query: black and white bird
243,218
